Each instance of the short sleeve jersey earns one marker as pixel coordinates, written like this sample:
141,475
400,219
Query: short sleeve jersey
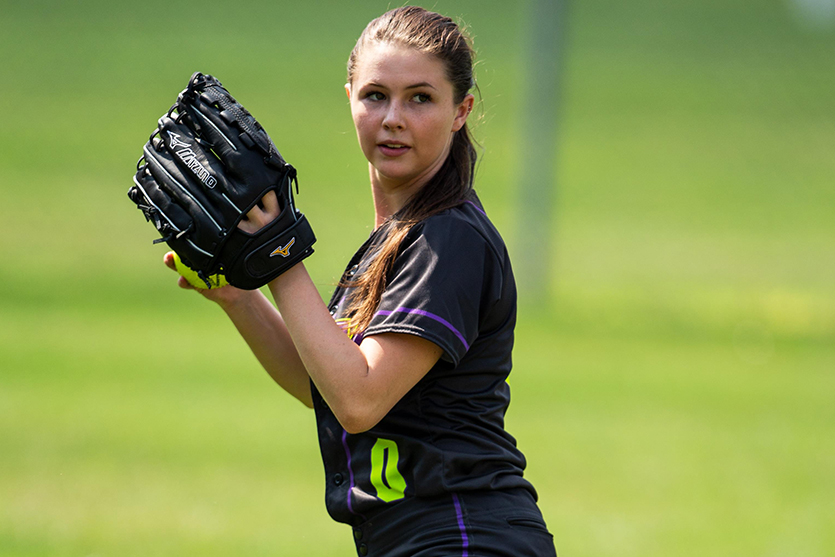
452,284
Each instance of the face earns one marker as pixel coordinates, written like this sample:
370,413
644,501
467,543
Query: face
405,115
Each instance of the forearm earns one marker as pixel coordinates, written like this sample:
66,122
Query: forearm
263,329
338,367
360,383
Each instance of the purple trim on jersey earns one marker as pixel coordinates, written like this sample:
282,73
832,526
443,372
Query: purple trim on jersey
437,318
465,541
480,210
350,470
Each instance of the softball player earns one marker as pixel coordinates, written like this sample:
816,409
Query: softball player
438,475
406,367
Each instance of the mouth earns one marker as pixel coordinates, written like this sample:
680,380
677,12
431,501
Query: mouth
393,148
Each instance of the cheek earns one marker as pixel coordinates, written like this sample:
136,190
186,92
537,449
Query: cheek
365,135
363,119
361,125
437,131
366,138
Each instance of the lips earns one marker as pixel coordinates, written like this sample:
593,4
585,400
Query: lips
392,148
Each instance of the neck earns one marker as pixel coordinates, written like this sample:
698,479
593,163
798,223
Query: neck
390,196
388,202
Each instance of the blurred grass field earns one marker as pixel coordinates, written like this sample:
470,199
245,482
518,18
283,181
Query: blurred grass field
674,396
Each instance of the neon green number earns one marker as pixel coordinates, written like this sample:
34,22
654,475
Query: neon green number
385,477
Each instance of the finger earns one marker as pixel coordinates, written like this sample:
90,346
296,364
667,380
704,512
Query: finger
257,218
270,203
251,223
185,284
168,258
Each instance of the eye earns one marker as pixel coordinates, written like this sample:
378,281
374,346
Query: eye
421,98
375,96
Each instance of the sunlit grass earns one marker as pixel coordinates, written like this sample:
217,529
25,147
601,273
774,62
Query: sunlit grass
673,396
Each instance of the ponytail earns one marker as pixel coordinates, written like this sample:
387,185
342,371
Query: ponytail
452,185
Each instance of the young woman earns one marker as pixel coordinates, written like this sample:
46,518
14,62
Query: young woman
406,367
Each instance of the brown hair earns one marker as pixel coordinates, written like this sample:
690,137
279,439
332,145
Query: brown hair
440,36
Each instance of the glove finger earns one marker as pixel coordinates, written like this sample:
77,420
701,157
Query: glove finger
201,165
203,116
247,152
182,184
175,225
197,162
158,207
216,116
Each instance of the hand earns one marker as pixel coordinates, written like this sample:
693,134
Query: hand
224,296
260,217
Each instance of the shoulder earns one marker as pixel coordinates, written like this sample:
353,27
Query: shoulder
460,229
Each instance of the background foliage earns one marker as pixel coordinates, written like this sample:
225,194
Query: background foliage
673,396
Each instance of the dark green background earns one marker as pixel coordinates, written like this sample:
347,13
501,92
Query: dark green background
673,394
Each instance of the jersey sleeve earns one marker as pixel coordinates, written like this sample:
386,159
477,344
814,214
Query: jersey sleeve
443,278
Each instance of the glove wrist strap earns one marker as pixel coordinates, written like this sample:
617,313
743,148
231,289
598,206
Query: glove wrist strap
270,252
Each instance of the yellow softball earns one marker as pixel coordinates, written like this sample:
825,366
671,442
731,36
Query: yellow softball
216,281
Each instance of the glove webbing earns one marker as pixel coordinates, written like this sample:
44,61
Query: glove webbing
232,112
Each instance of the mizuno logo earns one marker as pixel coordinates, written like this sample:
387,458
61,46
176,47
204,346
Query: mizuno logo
283,251
175,140
190,159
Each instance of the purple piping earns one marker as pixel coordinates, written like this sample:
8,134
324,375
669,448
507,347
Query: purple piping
439,319
350,470
479,209
465,542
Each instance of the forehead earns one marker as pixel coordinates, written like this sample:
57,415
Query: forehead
393,65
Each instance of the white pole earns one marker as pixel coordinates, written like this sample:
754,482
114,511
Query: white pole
544,29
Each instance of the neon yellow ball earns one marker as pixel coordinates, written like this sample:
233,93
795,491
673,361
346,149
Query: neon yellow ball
216,281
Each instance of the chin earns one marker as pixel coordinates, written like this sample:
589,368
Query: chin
395,173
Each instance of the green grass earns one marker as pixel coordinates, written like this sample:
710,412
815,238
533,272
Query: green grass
673,395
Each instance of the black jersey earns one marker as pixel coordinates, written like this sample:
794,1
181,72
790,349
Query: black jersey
452,284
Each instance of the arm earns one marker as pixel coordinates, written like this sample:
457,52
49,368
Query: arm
261,326
264,331
359,383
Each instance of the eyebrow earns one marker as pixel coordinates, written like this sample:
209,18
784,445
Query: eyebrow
415,86
421,84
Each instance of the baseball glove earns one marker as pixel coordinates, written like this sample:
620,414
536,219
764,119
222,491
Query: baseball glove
207,164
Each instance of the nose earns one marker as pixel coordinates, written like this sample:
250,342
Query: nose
393,118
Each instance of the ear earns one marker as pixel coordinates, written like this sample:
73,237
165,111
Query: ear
462,111
348,90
